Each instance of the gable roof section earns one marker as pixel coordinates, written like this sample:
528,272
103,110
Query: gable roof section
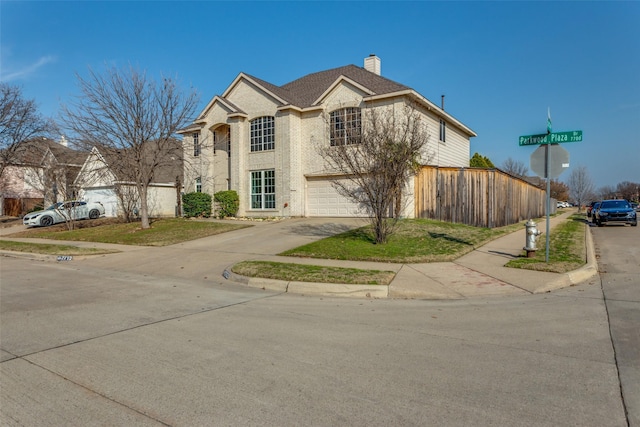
34,152
226,104
166,171
309,91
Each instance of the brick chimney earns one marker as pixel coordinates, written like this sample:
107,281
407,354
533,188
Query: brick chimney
372,63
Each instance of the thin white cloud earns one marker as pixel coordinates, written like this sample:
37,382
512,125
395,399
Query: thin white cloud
28,70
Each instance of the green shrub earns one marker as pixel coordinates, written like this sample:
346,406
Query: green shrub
228,203
196,205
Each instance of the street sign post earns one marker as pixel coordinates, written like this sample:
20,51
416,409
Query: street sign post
546,166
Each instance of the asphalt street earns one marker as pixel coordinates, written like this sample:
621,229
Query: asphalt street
153,337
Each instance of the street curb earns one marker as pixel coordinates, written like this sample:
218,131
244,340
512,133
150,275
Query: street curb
324,289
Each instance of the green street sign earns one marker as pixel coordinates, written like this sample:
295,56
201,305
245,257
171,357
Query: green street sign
551,138
559,137
533,139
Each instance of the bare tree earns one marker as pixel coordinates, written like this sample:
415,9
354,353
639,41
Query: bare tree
515,167
580,186
133,120
606,192
559,190
375,156
19,123
628,190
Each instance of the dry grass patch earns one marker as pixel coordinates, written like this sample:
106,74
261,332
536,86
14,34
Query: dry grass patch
163,232
567,249
292,272
51,249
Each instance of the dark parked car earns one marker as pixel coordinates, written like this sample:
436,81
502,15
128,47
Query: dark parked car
590,208
612,211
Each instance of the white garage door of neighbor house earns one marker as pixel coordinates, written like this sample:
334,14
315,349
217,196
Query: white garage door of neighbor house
324,200
105,196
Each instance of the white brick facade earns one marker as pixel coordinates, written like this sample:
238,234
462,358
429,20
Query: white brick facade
300,127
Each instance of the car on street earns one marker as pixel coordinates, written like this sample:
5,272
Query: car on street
615,211
63,212
590,208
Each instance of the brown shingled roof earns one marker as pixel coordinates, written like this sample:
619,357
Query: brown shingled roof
32,152
304,91
307,89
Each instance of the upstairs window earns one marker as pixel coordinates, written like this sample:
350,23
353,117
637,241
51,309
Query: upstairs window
196,144
345,126
443,131
262,134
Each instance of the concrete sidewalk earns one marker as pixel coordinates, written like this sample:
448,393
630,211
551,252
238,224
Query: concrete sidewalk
481,273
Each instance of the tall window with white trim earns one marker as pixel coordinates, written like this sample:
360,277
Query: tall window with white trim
345,126
263,134
263,189
196,144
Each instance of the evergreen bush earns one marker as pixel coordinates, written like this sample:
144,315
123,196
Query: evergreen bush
227,202
196,205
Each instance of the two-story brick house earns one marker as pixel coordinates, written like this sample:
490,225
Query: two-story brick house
261,140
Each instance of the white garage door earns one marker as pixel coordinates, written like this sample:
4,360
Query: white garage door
324,200
105,196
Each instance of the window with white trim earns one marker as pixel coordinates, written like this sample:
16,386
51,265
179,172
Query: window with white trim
196,144
263,133
443,131
263,189
345,126
198,185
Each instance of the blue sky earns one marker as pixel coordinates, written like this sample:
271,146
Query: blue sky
501,65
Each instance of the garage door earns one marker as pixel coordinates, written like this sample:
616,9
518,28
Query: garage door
106,196
324,200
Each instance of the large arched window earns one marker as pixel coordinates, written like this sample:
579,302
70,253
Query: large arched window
263,133
345,126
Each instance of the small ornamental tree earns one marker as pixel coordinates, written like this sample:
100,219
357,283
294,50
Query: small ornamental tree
196,205
228,203
375,153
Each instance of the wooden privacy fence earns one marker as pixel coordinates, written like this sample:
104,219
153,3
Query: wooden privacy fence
20,207
479,197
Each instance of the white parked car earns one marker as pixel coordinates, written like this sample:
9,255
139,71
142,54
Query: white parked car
64,211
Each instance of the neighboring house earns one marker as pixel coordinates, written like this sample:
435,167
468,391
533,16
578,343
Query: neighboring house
99,181
42,172
262,140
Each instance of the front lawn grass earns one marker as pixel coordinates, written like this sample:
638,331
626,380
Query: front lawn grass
414,241
567,248
163,232
312,273
51,249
